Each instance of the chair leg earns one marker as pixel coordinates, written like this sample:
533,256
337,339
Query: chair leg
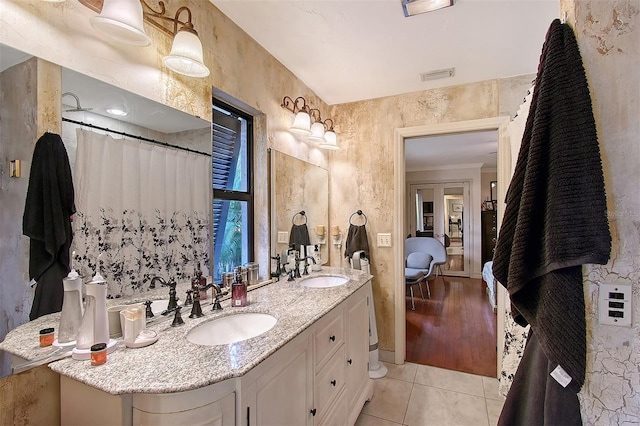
413,306
420,287
426,282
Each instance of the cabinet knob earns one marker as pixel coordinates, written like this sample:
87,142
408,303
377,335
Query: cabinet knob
313,412
349,361
333,383
493,228
332,338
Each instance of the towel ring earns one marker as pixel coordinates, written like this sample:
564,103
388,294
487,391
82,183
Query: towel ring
359,213
301,213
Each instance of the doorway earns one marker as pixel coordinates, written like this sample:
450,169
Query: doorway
440,209
499,124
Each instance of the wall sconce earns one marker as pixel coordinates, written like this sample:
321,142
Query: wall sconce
122,21
320,233
336,235
320,131
302,121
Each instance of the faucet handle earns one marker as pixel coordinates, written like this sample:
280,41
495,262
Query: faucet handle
177,319
148,312
189,300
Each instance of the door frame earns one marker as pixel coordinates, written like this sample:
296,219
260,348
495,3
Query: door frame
500,124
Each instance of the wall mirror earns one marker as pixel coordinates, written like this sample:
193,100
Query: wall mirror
298,186
494,190
144,221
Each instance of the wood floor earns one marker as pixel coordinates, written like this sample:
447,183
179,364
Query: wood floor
455,329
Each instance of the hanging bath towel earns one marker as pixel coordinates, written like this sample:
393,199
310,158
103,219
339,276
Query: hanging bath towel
356,241
555,221
47,222
299,235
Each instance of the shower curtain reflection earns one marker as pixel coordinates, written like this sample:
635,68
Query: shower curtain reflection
142,210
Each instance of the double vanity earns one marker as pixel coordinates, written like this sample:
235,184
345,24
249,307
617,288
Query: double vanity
297,354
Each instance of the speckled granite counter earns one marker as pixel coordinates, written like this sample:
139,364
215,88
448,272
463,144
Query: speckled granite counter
173,364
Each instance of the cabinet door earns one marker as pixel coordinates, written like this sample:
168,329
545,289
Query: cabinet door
357,343
284,394
219,413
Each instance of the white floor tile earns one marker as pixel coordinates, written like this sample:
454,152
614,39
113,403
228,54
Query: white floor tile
367,420
494,407
450,380
432,406
390,399
491,388
405,372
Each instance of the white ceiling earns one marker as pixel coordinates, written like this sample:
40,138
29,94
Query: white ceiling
352,50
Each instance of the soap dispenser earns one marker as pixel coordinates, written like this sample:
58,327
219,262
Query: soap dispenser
238,289
318,259
95,324
72,310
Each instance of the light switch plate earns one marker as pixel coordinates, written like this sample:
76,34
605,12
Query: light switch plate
283,237
614,305
384,240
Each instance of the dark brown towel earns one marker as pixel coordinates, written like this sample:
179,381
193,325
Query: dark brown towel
533,388
356,241
556,213
47,222
299,236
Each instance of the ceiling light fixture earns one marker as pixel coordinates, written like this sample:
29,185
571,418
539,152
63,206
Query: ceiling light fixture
117,112
415,7
122,21
320,131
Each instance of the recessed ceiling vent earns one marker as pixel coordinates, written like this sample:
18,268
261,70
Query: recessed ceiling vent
436,75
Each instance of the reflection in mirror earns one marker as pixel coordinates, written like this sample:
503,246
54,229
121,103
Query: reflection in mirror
298,186
142,199
141,176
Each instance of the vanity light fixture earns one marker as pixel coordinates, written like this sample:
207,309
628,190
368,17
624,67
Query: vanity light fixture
122,21
302,121
320,131
330,138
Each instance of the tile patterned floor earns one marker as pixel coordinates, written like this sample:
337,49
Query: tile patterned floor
417,395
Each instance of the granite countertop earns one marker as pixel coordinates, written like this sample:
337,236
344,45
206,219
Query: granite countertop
173,364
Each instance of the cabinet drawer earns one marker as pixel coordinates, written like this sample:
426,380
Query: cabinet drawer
329,381
337,414
329,337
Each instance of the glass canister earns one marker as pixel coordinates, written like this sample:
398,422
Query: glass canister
252,273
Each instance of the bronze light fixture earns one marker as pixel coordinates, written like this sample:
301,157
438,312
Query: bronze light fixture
122,21
319,131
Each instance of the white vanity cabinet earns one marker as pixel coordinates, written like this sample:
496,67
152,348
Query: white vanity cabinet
319,378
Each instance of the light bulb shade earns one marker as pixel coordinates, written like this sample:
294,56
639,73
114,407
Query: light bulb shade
330,140
317,132
122,21
301,124
186,55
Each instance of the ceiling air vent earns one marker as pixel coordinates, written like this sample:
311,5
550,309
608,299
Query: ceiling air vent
435,75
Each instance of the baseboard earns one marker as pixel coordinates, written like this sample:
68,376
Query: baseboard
387,356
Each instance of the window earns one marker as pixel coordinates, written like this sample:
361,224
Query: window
232,162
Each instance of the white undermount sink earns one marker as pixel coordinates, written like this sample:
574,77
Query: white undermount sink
231,329
324,281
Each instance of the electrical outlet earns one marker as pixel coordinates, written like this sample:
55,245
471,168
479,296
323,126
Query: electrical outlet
384,240
283,237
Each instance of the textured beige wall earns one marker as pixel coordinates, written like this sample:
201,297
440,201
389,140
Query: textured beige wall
608,35
361,173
